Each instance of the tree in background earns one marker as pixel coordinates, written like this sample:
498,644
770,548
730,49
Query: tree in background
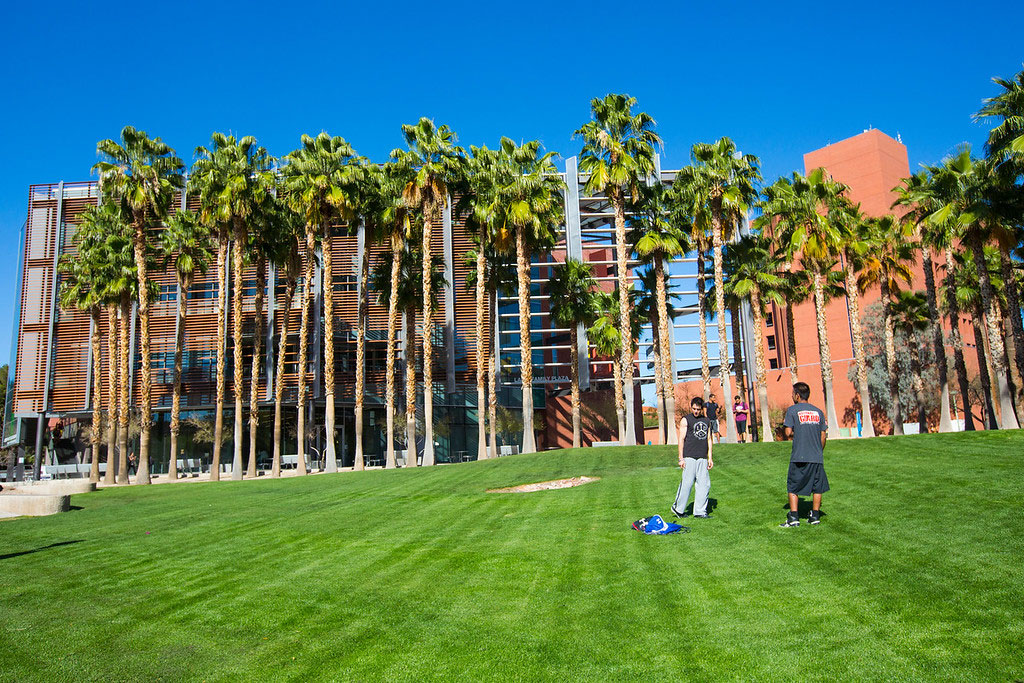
720,184
571,294
321,183
141,174
618,155
185,243
658,240
438,163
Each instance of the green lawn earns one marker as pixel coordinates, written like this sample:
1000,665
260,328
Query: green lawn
917,571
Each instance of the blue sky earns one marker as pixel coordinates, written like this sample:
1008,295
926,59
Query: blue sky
781,79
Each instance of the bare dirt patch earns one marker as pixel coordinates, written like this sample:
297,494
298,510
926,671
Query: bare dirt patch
546,485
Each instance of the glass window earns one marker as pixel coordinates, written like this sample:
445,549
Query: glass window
771,342
773,363
769,320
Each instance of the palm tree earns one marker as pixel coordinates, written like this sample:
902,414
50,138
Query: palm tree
499,276
964,199
606,339
529,206
106,264
383,207
571,293
720,184
916,197
886,262
479,205
141,174
81,289
286,258
809,210
909,311
659,240
438,164
856,245
1005,149
646,307
236,184
185,242
321,182
617,155
208,179
756,272
406,291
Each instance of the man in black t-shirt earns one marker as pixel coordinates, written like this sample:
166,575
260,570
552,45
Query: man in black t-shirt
695,460
711,410
806,425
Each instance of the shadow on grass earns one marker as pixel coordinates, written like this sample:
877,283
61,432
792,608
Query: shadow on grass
36,550
803,508
712,504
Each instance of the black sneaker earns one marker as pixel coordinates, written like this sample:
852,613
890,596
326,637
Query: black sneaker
677,513
814,517
792,519
702,516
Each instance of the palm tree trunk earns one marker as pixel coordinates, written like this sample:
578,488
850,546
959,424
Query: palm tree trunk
330,454
574,377
702,326
257,357
307,297
364,270
1014,314
939,347
791,343
1011,375
282,353
122,397
659,385
956,341
222,352
625,307
826,356
984,377
238,380
411,456
863,389
96,431
762,373
723,344
667,348
896,412
525,341
481,352
993,324
428,333
915,373
492,376
179,344
620,403
110,477
146,388
396,261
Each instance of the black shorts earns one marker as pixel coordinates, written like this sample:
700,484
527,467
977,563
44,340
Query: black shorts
806,478
741,426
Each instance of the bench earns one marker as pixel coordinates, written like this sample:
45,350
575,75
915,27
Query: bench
292,461
191,466
508,450
79,469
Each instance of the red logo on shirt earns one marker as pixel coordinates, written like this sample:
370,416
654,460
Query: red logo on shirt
809,417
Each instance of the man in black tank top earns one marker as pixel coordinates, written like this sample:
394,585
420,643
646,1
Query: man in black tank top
695,459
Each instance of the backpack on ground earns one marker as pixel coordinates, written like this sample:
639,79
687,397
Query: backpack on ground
655,525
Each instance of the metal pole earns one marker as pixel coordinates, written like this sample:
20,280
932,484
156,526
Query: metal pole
574,249
37,467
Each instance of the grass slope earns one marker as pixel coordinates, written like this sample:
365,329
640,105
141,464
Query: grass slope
915,572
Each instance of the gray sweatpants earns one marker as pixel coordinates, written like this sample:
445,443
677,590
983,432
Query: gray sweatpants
696,470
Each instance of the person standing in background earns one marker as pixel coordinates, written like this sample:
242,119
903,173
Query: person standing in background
739,408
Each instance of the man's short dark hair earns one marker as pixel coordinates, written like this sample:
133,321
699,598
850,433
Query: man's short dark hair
697,401
802,390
